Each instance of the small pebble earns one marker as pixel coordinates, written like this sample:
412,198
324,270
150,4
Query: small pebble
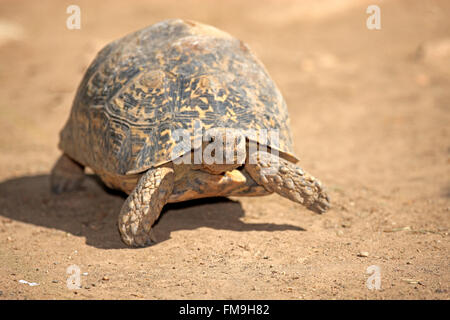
363,254
31,284
105,278
411,281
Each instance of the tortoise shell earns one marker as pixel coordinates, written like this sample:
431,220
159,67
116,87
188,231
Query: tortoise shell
142,87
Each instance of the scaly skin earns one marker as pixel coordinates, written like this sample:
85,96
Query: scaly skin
67,175
288,180
144,204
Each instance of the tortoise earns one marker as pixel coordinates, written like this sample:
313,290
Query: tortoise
143,89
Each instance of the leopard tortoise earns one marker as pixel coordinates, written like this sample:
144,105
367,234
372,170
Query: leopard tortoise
176,76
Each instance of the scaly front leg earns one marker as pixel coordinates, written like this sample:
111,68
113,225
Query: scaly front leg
288,180
144,204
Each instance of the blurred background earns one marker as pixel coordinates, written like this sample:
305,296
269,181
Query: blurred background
370,113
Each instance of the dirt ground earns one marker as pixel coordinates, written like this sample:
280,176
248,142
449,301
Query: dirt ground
370,114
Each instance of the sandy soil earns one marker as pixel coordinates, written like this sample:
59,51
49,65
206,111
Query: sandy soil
370,113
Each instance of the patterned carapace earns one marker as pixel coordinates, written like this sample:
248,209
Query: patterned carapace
142,87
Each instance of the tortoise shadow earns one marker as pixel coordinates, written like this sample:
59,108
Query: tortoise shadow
92,212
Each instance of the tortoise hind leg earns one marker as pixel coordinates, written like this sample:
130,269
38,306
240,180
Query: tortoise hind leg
66,175
144,204
288,180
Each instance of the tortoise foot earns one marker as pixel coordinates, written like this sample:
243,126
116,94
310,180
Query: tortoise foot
143,206
288,180
67,175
